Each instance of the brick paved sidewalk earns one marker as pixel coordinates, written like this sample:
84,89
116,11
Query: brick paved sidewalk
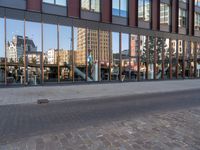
177,130
87,91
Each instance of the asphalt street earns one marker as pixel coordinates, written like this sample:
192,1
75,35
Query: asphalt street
25,120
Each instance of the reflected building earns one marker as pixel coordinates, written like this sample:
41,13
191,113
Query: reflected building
15,48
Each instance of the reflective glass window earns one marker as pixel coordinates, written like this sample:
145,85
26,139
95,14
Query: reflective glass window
120,8
125,52
50,57
197,21
91,5
144,10
80,54
182,18
104,54
2,52
65,53
15,51
56,2
115,65
133,72
164,14
33,53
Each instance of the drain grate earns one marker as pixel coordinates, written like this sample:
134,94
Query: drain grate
42,101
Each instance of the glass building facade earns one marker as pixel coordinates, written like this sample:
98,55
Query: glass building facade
49,50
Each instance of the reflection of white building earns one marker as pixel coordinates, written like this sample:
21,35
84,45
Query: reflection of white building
15,48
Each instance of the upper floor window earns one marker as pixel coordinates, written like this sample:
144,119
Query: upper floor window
144,10
91,5
119,8
182,18
183,1
197,3
197,21
56,2
164,13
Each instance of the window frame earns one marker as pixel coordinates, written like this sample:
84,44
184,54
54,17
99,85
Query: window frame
90,6
120,14
144,10
55,3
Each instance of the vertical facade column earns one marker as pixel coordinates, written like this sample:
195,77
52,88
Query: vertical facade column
34,5
74,8
191,17
175,13
106,11
138,59
155,15
133,13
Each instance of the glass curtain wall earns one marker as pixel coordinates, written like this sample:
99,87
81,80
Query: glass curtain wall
92,55
65,54
15,51
50,50
2,52
133,72
104,55
115,63
33,53
125,55
80,54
